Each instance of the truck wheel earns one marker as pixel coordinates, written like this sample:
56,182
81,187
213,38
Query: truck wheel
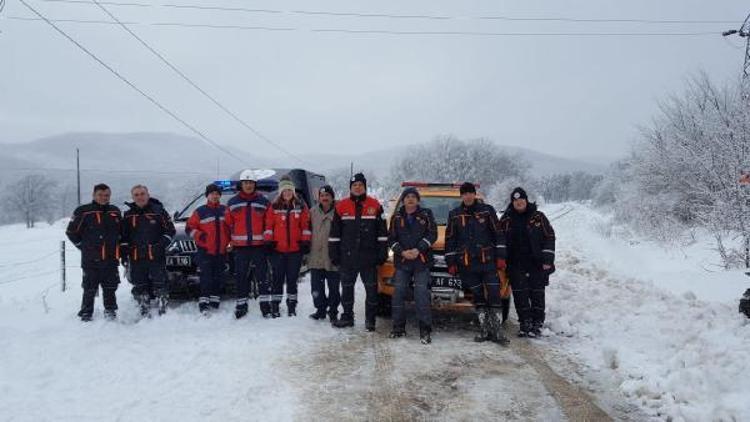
384,305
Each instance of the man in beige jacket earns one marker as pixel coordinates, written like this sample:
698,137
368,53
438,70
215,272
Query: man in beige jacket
322,271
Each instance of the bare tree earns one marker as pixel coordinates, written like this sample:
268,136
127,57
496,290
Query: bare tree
31,199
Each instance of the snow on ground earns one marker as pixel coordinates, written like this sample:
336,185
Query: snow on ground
649,320
646,327
186,367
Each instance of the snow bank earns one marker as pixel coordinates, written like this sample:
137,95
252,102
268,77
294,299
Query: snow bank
651,318
178,367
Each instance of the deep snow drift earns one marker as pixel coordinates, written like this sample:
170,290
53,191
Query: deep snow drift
649,319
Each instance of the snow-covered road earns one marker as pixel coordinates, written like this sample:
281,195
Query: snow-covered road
644,330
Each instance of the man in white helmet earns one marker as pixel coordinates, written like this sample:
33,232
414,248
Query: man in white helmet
245,216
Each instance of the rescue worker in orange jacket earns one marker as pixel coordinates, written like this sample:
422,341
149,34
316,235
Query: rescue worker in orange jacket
288,236
208,227
358,243
245,216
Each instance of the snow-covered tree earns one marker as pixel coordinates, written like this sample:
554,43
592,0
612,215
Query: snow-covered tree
30,199
687,165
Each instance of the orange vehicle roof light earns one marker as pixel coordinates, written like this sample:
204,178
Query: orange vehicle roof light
433,185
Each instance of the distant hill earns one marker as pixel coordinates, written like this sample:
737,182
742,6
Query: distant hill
177,167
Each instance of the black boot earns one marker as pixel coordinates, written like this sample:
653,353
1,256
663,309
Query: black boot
110,314
397,332
318,315
425,332
745,303
144,303
85,317
240,310
497,334
291,308
484,328
203,307
333,317
346,320
370,325
265,309
536,329
524,328
275,313
163,301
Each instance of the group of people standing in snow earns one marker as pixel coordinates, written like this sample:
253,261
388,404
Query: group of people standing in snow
343,239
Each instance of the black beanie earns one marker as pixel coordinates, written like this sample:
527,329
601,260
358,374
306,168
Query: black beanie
212,188
327,189
468,187
411,191
518,193
359,177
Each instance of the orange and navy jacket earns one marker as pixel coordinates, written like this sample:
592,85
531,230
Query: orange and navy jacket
412,231
146,232
288,224
471,237
95,230
208,227
358,237
245,216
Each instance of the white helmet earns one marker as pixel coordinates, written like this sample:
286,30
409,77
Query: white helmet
248,175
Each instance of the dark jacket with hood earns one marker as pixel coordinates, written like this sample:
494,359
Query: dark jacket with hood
146,232
526,241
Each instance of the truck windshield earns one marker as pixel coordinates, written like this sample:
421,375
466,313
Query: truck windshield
439,205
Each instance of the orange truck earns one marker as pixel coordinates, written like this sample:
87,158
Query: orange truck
447,290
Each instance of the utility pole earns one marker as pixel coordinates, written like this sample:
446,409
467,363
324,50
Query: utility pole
743,32
78,174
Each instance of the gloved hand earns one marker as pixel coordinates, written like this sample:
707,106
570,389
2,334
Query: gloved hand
452,270
304,247
501,264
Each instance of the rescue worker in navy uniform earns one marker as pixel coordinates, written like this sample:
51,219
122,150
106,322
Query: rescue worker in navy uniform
147,231
95,230
528,243
471,245
322,271
246,219
208,227
358,243
411,234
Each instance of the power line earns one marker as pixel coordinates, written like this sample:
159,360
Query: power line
384,32
132,85
108,170
195,85
399,16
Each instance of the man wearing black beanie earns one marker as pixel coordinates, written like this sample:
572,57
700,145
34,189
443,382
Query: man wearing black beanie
358,243
527,241
471,251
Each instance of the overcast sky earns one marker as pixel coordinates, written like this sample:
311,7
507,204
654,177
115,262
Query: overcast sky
345,92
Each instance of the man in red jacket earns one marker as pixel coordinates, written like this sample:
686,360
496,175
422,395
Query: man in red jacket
245,216
358,242
208,227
